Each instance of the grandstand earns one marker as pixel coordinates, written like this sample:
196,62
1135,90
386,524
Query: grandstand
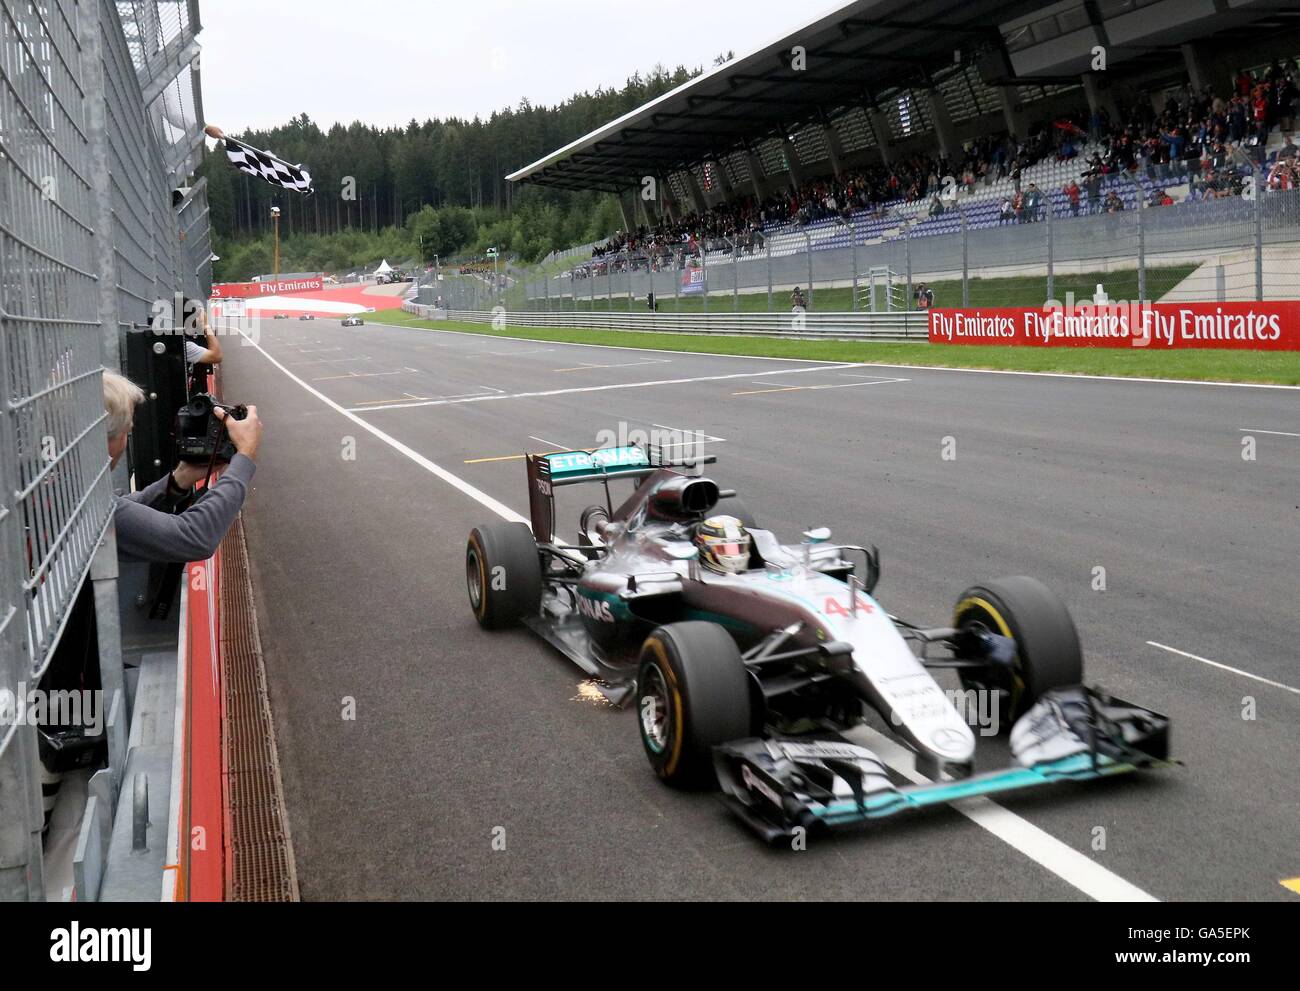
885,122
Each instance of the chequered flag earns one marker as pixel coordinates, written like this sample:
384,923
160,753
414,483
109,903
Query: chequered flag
262,165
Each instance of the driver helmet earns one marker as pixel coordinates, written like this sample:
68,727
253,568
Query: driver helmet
724,545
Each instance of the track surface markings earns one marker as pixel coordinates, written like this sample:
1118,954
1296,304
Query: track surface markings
593,388
1066,863
1224,667
1042,847
1274,433
816,388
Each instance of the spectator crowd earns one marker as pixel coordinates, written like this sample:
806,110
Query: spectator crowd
1212,142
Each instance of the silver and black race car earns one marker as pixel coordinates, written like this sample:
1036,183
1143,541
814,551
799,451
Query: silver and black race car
757,680
353,321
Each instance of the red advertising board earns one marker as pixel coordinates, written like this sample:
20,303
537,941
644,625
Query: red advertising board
1160,326
249,290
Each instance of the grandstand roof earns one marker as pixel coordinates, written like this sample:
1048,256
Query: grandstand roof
862,54
856,53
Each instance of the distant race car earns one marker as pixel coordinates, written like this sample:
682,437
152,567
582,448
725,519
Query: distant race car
307,316
281,316
353,322
748,659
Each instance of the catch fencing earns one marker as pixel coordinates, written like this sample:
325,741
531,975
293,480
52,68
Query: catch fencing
100,128
1241,244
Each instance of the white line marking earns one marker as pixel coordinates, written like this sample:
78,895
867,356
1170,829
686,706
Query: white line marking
862,364
479,496
1224,667
623,364
847,385
326,361
549,443
1069,865
1275,433
354,375
508,354
703,437
598,388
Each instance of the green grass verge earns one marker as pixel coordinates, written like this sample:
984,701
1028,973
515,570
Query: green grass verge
1030,290
1274,367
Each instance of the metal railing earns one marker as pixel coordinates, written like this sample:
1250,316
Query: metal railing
1243,244
100,127
797,326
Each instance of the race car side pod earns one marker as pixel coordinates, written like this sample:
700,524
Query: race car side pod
778,786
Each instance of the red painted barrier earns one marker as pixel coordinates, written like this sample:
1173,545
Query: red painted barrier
204,840
1271,326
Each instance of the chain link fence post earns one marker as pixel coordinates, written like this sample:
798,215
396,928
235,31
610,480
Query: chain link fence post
1261,190
735,275
704,266
767,244
808,248
1051,246
1142,245
853,239
965,258
907,250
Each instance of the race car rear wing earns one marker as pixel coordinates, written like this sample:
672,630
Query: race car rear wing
546,472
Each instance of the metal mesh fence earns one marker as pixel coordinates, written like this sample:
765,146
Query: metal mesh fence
1233,245
99,128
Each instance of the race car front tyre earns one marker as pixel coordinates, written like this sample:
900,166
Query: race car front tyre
692,695
1047,651
503,574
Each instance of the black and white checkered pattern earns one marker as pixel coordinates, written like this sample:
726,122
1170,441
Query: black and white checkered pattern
261,165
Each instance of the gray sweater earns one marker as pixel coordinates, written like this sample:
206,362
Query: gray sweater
148,534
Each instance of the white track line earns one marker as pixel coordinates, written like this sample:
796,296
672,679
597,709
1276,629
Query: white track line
1275,433
1042,848
479,496
1224,667
864,364
592,388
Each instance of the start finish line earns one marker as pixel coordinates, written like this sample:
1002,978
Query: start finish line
1169,326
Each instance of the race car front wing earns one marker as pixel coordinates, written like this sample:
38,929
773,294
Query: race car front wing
778,787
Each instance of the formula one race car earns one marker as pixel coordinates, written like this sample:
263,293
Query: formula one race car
353,322
307,316
750,660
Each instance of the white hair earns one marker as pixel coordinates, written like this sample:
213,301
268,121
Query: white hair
121,397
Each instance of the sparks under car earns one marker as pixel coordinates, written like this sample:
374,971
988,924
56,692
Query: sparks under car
751,678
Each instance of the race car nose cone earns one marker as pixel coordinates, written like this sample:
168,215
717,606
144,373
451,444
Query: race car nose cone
949,741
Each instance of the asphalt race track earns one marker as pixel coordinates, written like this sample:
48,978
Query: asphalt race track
462,736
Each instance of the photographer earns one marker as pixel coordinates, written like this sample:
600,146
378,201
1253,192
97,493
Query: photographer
147,529
209,352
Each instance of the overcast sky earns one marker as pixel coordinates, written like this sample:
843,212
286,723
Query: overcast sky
386,62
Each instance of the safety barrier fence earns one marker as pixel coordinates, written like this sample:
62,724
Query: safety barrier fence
802,326
1240,243
100,128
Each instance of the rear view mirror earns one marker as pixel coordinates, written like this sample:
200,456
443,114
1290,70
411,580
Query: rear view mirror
818,536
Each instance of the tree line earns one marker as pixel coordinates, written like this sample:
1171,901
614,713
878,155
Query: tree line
426,189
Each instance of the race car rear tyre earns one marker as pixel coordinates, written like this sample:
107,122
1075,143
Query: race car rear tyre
692,694
1048,654
503,574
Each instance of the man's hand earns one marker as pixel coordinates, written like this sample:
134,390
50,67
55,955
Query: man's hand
245,434
186,476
